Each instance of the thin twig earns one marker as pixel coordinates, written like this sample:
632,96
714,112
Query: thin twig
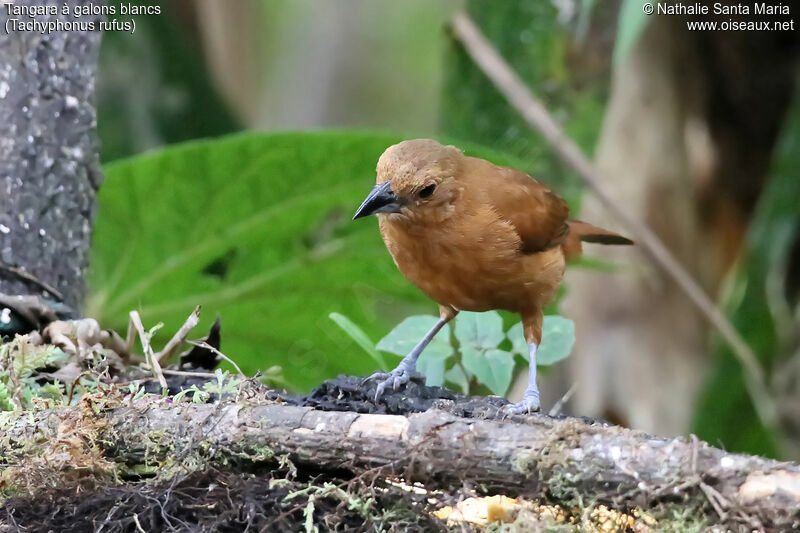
138,524
536,115
203,344
136,320
188,373
30,278
714,497
556,409
695,451
717,500
179,337
75,383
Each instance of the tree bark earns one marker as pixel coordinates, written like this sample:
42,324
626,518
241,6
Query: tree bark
49,167
567,459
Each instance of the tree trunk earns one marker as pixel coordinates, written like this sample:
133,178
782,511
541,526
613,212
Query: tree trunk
49,167
686,142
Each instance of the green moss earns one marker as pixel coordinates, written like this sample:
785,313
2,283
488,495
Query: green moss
682,519
525,462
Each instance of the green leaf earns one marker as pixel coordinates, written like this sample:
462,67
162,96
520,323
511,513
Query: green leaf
433,370
6,398
558,337
407,334
402,339
256,228
632,21
482,331
492,367
361,338
478,335
457,377
516,334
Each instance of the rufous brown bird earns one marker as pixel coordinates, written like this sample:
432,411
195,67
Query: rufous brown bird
473,236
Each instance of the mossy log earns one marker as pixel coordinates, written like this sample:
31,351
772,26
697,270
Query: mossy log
563,459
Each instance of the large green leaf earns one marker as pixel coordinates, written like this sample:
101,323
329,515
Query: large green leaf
255,228
361,338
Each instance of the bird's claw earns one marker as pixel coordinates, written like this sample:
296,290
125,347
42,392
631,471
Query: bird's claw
376,375
395,378
526,406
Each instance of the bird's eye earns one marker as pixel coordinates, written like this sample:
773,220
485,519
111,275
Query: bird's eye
427,191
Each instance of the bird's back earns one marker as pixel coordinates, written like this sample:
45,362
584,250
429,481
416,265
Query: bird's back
539,215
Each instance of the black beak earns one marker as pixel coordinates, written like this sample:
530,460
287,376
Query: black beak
381,199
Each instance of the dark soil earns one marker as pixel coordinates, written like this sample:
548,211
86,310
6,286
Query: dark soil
347,393
220,502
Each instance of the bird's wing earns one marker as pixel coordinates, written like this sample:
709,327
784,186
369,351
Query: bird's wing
538,214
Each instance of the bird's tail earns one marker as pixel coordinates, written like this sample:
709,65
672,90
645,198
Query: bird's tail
583,231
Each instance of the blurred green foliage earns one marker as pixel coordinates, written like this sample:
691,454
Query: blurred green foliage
763,305
477,351
382,69
360,338
256,228
529,35
632,21
154,88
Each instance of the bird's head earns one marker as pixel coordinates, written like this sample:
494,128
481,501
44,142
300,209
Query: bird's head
416,181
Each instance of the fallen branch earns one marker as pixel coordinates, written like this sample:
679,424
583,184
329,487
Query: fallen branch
568,459
521,98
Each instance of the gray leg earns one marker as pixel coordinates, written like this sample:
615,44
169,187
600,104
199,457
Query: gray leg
408,365
530,400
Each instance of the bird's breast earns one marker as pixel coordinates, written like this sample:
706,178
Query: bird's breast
472,267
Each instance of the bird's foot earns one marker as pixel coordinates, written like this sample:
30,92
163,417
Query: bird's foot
529,404
399,376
